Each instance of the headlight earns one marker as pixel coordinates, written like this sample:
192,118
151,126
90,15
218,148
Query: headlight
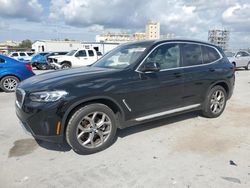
47,96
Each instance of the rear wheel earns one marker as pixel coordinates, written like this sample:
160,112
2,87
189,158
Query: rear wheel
92,128
215,102
9,83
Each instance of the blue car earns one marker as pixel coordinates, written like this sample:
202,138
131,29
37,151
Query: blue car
39,60
13,71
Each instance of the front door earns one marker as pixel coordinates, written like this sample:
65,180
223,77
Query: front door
155,92
81,59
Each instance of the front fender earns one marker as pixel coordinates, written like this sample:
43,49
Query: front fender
74,105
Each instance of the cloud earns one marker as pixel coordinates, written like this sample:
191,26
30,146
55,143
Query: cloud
237,14
31,10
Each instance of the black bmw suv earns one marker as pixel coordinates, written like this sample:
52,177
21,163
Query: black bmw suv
134,83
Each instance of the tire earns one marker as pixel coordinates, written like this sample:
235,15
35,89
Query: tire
248,66
42,67
212,102
9,83
66,66
84,134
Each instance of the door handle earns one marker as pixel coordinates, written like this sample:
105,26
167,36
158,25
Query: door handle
177,74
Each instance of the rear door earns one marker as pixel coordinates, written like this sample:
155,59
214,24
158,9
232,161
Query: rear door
92,57
198,71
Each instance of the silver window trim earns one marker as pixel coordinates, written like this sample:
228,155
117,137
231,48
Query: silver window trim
179,42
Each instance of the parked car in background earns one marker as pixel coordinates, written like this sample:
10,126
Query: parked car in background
12,72
240,59
40,60
23,56
132,84
76,58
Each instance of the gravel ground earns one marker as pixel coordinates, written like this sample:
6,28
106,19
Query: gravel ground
182,152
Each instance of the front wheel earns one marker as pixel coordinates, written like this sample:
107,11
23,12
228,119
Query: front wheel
92,128
9,83
215,102
66,66
42,67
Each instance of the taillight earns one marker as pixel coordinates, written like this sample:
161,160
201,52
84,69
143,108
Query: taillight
29,67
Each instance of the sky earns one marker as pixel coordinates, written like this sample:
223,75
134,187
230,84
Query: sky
84,19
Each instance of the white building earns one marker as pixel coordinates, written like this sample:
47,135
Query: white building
153,30
52,45
113,37
139,36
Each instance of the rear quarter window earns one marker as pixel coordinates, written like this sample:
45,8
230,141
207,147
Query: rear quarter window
209,54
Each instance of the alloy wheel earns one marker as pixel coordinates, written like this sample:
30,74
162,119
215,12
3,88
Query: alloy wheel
217,101
10,84
94,129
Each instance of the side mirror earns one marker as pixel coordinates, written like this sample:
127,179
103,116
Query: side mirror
150,67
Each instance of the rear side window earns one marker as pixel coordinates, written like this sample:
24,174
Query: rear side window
91,53
191,54
209,54
22,54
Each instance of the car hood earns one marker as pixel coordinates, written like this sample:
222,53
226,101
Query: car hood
63,58
60,78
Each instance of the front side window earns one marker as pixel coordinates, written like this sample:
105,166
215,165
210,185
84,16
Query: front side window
122,56
167,56
244,54
81,53
191,54
14,55
209,54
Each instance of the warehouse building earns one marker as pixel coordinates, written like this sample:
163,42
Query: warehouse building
54,45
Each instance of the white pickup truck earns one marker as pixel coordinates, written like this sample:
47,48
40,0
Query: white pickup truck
75,58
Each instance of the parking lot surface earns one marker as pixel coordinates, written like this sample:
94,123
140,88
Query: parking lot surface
183,151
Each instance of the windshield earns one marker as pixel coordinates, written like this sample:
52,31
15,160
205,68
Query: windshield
122,56
72,52
229,54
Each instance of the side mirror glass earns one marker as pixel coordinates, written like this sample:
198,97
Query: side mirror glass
150,67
